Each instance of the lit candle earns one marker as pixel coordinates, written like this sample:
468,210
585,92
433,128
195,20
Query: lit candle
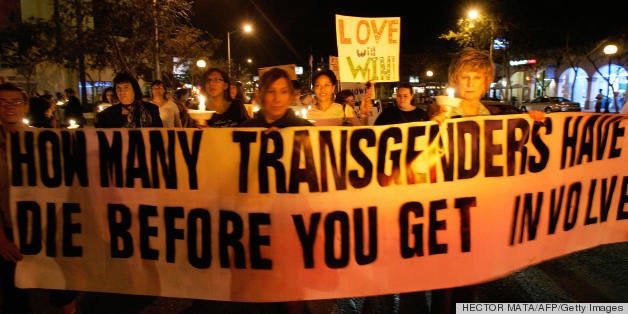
73,124
450,92
201,100
256,108
303,113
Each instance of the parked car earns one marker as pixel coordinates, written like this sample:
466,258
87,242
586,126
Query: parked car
551,104
497,108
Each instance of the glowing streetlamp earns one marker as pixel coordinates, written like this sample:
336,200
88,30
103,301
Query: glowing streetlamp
247,28
474,15
429,73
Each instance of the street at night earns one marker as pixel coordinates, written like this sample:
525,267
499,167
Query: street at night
313,157
597,275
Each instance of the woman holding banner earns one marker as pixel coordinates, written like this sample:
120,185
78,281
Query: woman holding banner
276,94
470,72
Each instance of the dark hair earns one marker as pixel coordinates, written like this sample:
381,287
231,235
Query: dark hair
38,105
69,90
158,82
405,85
125,77
224,76
239,91
37,110
342,96
103,97
272,76
408,86
14,88
329,73
180,93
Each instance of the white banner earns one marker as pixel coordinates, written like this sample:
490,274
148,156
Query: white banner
313,212
368,48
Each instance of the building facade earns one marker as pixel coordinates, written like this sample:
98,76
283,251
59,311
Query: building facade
579,81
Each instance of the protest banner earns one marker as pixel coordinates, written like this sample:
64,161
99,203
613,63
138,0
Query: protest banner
313,212
368,48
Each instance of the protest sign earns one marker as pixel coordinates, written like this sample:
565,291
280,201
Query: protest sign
313,212
368,48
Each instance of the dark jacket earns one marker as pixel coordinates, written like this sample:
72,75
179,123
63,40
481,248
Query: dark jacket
288,119
74,110
233,116
144,115
394,115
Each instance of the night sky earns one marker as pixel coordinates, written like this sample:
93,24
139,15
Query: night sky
288,31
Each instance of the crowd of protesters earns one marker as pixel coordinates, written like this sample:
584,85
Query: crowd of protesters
124,106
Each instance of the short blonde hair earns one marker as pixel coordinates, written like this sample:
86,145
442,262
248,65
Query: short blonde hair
471,59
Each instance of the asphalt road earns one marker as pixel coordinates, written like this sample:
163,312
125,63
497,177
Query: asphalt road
598,275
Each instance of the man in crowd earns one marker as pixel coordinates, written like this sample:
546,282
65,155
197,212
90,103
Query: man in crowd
13,108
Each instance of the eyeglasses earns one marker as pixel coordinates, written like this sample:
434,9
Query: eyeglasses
14,103
215,80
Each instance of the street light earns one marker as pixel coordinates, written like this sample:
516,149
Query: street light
474,15
610,50
247,28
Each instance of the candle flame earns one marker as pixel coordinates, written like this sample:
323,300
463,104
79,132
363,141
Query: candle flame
201,100
450,92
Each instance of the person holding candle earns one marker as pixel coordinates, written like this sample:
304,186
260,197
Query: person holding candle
471,73
229,112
